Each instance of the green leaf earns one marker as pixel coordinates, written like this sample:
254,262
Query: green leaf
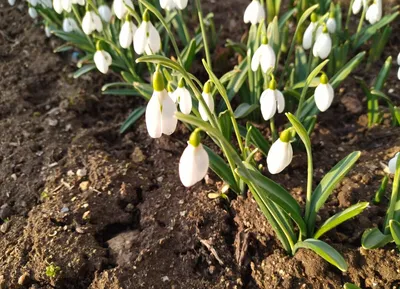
63,48
125,91
237,47
325,251
79,40
395,231
84,69
383,74
350,286
225,122
127,76
274,35
244,109
221,168
373,239
301,66
328,184
274,192
300,130
340,217
285,17
115,84
257,139
132,118
189,54
145,89
314,83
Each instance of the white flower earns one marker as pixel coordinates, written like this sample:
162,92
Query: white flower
146,39
91,22
105,13
32,12
323,45
103,60
128,29
254,13
208,99
181,4
398,74
120,9
308,35
357,4
167,4
33,2
264,56
193,165
398,59
47,31
70,25
324,94
392,164
11,2
280,154
182,96
271,100
80,2
46,3
374,12
160,111
58,6
67,5
331,25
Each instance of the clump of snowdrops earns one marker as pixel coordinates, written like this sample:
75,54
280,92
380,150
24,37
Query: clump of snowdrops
288,63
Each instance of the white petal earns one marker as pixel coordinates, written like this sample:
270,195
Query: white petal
153,116
356,8
398,74
57,6
268,104
256,59
168,119
323,96
398,59
32,12
193,165
331,25
126,34
374,12
154,40
98,25
67,5
210,103
185,100
119,9
279,156
392,164
102,60
308,36
47,30
280,100
323,46
181,4
105,13
11,2
167,5
67,26
140,38
87,25
268,57
254,13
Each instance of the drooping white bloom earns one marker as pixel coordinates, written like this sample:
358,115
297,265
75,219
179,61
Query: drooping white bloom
173,4
193,165
280,154
309,33
392,164
91,22
120,9
128,29
324,94
80,2
398,74
11,2
398,62
323,45
105,13
33,2
208,99
70,25
331,25
67,5
264,57
58,6
374,12
47,31
254,13
182,96
357,5
103,60
271,100
46,3
160,111
146,39
181,4
32,12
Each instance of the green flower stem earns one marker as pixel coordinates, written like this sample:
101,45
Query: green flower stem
360,24
394,198
185,29
203,33
349,15
134,14
274,133
310,170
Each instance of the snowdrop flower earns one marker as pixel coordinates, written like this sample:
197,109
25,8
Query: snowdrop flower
47,31
57,5
80,2
182,96
11,2
160,111
91,22
374,12
264,56
32,2
173,4
194,162
254,13
46,3
66,5
128,29
323,44
309,33
398,62
324,94
102,59
120,9
146,39
280,154
208,99
70,25
105,13
357,4
331,23
32,12
392,164
271,100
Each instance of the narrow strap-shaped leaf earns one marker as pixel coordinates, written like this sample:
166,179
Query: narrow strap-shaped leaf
188,54
383,74
256,138
244,109
225,123
395,231
221,168
285,17
340,217
84,69
122,91
374,238
350,286
115,84
132,118
325,251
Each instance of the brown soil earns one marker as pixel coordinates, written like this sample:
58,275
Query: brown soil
128,222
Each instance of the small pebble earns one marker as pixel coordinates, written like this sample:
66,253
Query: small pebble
5,227
160,179
81,172
70,173
64,210
84,186
14,177
52,122
24,279
165,279
5,211
86,215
